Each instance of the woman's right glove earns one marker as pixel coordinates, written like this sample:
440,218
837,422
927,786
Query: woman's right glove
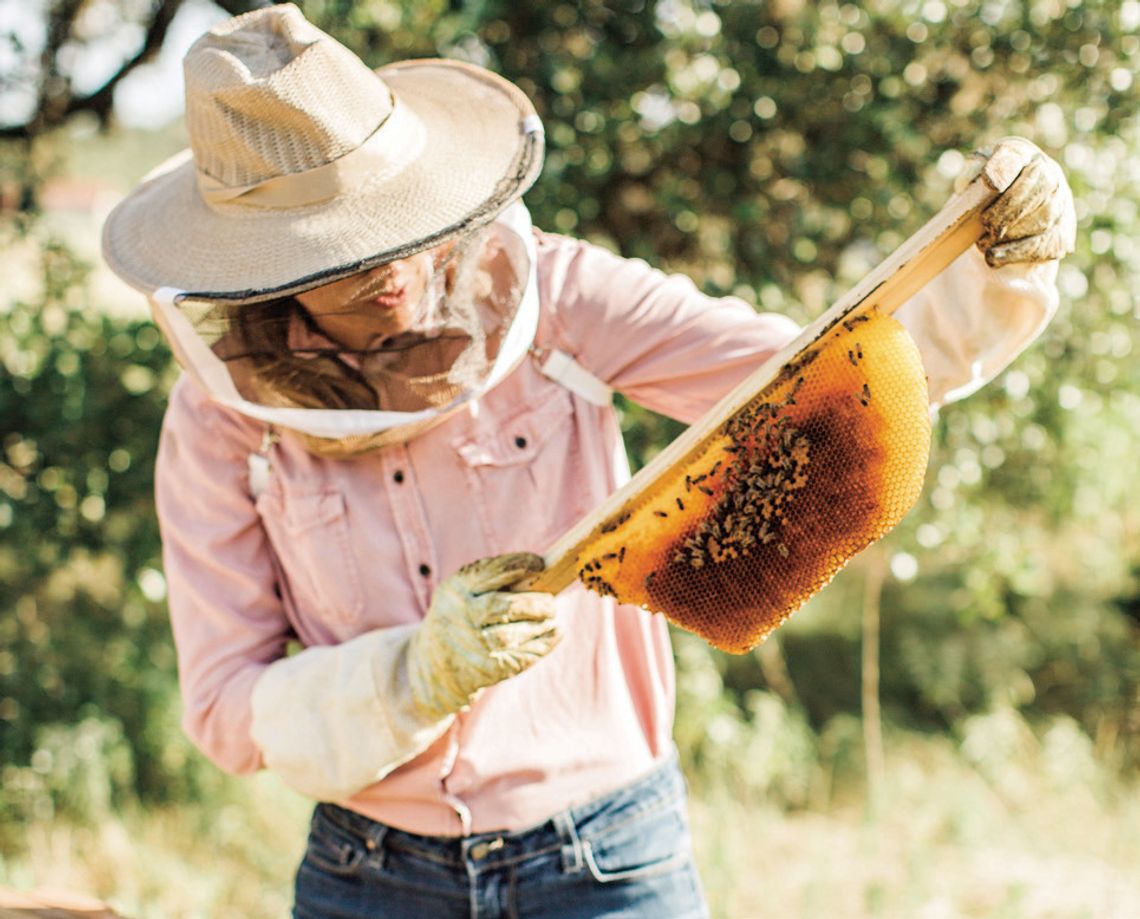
475,634
332,720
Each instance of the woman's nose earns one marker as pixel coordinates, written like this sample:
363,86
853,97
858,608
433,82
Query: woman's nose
380,272
396,273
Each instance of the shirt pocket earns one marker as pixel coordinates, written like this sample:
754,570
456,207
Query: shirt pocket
526,474
313,542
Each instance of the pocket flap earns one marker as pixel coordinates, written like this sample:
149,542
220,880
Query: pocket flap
521,436
306,510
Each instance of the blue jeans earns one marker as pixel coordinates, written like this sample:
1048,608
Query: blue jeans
625,854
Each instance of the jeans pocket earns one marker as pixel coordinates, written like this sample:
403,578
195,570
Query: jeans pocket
333,850
654,842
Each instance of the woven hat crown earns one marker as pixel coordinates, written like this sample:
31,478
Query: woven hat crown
307,166
269,94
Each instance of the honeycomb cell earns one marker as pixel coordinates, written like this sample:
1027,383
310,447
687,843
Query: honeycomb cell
769,507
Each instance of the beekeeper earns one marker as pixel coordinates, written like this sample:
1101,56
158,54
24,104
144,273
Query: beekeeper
390,374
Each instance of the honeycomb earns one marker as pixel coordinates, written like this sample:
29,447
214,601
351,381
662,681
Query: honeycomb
773,503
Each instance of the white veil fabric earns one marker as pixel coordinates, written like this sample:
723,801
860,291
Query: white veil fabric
493,322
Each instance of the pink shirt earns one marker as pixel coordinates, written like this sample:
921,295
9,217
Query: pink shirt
331,549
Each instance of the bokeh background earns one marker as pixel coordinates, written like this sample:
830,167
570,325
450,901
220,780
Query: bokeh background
952,728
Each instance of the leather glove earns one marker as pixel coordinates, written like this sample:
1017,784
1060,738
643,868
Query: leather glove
475,634
1034,219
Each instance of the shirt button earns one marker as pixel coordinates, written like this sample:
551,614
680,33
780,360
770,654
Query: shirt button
520,442
425,570
398,476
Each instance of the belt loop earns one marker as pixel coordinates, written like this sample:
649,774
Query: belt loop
572,859
374,842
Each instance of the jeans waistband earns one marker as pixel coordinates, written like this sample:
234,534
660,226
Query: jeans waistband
661,787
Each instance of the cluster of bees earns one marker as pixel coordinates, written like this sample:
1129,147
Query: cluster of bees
751,483
588,573
770,462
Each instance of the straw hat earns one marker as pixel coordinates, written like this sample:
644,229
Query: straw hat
306,166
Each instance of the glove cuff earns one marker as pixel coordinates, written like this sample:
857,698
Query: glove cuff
330,721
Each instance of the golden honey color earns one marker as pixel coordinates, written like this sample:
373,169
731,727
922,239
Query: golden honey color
767,509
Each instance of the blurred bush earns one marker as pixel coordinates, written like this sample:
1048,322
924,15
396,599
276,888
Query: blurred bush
88,700
775,151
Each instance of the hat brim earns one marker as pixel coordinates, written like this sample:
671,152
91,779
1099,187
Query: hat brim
476,159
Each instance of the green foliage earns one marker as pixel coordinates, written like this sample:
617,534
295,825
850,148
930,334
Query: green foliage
88,701
752,745
771,150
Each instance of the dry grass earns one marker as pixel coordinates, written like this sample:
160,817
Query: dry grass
945,840
232,862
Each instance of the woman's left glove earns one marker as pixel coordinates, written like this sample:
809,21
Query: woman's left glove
1034,219
970,321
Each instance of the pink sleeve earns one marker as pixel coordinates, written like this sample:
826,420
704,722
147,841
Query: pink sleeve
227,619
652,336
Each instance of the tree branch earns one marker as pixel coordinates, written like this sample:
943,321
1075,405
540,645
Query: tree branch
237,7
51,111
101,101
54,88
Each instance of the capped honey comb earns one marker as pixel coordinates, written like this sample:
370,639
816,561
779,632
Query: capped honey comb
765,511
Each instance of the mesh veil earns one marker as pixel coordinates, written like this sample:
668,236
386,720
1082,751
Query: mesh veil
272,360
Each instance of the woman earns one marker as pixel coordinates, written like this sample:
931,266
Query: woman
390,375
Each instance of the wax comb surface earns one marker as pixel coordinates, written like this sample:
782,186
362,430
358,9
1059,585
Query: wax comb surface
762,514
